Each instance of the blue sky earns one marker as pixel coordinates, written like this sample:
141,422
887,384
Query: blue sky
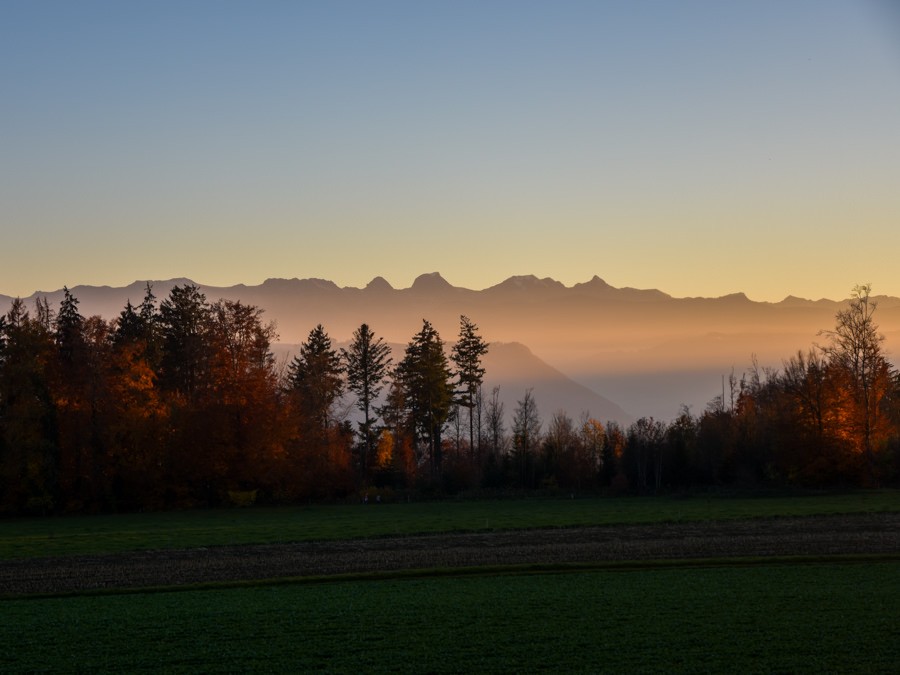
702,148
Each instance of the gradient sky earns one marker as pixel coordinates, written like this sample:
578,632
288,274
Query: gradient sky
702,148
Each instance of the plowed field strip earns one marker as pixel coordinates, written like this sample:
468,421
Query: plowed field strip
867,534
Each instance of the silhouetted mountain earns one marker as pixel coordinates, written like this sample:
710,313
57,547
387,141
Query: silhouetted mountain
432,283
379,285
529,284
633,345
515,369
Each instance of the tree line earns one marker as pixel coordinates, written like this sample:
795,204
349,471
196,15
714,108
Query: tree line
181,403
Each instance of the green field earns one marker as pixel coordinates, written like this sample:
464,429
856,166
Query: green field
832,615
20,538
765,618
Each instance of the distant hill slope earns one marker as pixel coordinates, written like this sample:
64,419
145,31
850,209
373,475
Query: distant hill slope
515,369
645,349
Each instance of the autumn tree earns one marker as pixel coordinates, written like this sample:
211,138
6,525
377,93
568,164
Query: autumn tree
367,361
396,443
467,354
243,392
136,413
425,377
855,347
593,441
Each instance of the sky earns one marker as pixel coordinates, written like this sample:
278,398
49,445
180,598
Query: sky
698,147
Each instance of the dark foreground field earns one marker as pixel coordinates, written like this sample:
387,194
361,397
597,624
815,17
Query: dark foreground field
641,585
811,537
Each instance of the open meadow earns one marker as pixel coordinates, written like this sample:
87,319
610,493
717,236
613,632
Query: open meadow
800,584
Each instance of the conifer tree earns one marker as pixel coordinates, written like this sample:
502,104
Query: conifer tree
425,376
315,376
129,326
467,354
184,320
367,362
69,326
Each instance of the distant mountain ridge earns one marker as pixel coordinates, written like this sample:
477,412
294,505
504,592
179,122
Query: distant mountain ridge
431,282
646,350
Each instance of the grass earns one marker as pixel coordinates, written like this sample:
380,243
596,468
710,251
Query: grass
762,618
72,535
834,615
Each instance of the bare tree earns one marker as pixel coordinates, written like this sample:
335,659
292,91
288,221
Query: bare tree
526,431
855,347
495,427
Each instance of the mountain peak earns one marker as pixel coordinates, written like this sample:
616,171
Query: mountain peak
280,283
321,284
734,297
528,282
433,281
595,284
379,284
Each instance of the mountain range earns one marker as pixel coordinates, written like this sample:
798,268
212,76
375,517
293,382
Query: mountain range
649,352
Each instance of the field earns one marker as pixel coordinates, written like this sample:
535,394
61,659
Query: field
30,537
703,584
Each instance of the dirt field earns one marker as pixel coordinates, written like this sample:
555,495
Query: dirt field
814,536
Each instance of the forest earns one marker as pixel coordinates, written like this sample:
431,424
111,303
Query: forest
181,403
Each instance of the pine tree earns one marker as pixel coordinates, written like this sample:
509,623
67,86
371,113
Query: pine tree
467,354
425,376
129,326
367,362
184,320
69,325
315,376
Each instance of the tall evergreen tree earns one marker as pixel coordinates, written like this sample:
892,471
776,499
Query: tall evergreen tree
129,326
69,329
425,376
184,320
367,361
316,377
138,324
467,354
